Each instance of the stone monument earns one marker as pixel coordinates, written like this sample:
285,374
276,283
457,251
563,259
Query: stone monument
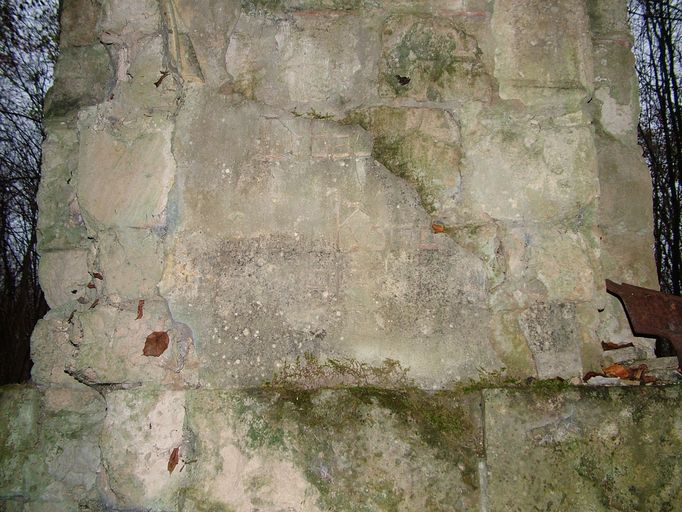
357,194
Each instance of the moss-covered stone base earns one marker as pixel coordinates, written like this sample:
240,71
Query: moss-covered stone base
544,447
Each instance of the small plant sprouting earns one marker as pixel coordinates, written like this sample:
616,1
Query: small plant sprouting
308,373
312,114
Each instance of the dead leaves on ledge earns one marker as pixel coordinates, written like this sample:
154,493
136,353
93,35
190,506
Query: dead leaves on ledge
631,374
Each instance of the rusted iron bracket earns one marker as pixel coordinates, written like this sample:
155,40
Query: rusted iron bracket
651,313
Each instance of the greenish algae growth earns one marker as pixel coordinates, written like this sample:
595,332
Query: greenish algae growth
434,53
421,52
246,84
441,421
255,6
189,500
404,145
338,5
542,387
312,114
625,478
259,6
601,448
19,414
391,153
60,236
329,433
259,433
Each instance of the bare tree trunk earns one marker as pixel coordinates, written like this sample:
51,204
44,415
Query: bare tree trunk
657,27
28,48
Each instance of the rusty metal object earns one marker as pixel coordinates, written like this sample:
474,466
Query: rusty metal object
651,313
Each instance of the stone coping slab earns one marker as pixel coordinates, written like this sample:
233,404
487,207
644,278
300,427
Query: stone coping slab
360,448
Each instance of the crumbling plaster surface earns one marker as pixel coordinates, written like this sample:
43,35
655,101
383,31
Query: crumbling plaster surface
433,185
271,170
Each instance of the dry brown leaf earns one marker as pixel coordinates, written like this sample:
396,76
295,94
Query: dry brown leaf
607,345
639,371
140,309
156,344
173,460
94,304
91,285
617,370
438,227
97,275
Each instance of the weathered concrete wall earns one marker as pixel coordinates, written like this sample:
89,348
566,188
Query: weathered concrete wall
265,175
439,185
358,449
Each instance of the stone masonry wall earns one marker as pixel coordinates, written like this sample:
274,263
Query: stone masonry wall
265,174
357,449
331,192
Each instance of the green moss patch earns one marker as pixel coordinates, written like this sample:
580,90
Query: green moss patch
352,444
423,51
418,145
260,6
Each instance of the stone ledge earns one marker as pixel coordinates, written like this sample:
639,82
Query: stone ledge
576,448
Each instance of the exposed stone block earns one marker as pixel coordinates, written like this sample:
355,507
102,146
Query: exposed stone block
598,449
353,449
542,45
430,58
50,447
78,22
346,449
144,82
65,462
130,19
141,430
132,261
625,213
60,224
553,337
375,196
51,350
19,411
297,63
125,171
421,145
545,264
520,167
201,36
608,17
83,77
264,267
110,340
63,275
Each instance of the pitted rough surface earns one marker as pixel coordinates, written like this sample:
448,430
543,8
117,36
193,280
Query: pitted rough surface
125,172
304,244
272,169
324,192
49,446
599,449
359,448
